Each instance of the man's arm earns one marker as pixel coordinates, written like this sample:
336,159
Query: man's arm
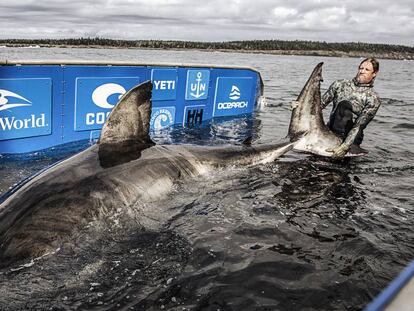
361,122
328,96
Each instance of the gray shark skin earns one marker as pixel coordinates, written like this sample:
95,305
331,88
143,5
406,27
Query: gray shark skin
123,169
307,128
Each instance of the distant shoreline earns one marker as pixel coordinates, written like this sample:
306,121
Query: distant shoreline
272,47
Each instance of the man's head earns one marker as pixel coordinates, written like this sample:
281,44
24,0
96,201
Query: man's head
367,70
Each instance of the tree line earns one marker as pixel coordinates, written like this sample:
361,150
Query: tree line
249,45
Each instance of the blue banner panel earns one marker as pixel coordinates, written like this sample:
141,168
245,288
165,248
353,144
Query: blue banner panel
233,96
44,105
164,84
162,117
25,108
197,84
95,98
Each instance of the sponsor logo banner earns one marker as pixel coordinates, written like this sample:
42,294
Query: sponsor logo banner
193,115
197,84
25,108
164,84
233,96
162,117
95,98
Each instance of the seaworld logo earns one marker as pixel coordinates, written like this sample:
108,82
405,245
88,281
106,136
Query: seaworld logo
14,123
162,117
4,100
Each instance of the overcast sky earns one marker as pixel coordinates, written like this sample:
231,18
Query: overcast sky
377,21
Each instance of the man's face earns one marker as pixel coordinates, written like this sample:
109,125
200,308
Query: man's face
365,73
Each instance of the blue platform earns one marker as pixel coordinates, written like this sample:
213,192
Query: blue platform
48,103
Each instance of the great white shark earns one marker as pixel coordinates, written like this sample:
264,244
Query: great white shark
126,167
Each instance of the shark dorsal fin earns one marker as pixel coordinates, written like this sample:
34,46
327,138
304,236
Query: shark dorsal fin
126,132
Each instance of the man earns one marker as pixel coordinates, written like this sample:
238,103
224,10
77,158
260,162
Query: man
354,105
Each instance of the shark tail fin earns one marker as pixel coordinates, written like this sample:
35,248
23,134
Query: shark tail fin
126,132
307,115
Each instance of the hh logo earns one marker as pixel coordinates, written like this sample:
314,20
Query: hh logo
25,107
95,98
162,117
193,115
197,84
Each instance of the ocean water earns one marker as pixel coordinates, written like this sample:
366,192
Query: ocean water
302,233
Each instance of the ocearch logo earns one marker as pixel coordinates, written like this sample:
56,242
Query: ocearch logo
234,93
4,100
100,97
232,96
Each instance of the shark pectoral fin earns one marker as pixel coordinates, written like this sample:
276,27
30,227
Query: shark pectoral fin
126,132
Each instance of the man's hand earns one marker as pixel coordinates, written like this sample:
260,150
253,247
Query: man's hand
339,152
